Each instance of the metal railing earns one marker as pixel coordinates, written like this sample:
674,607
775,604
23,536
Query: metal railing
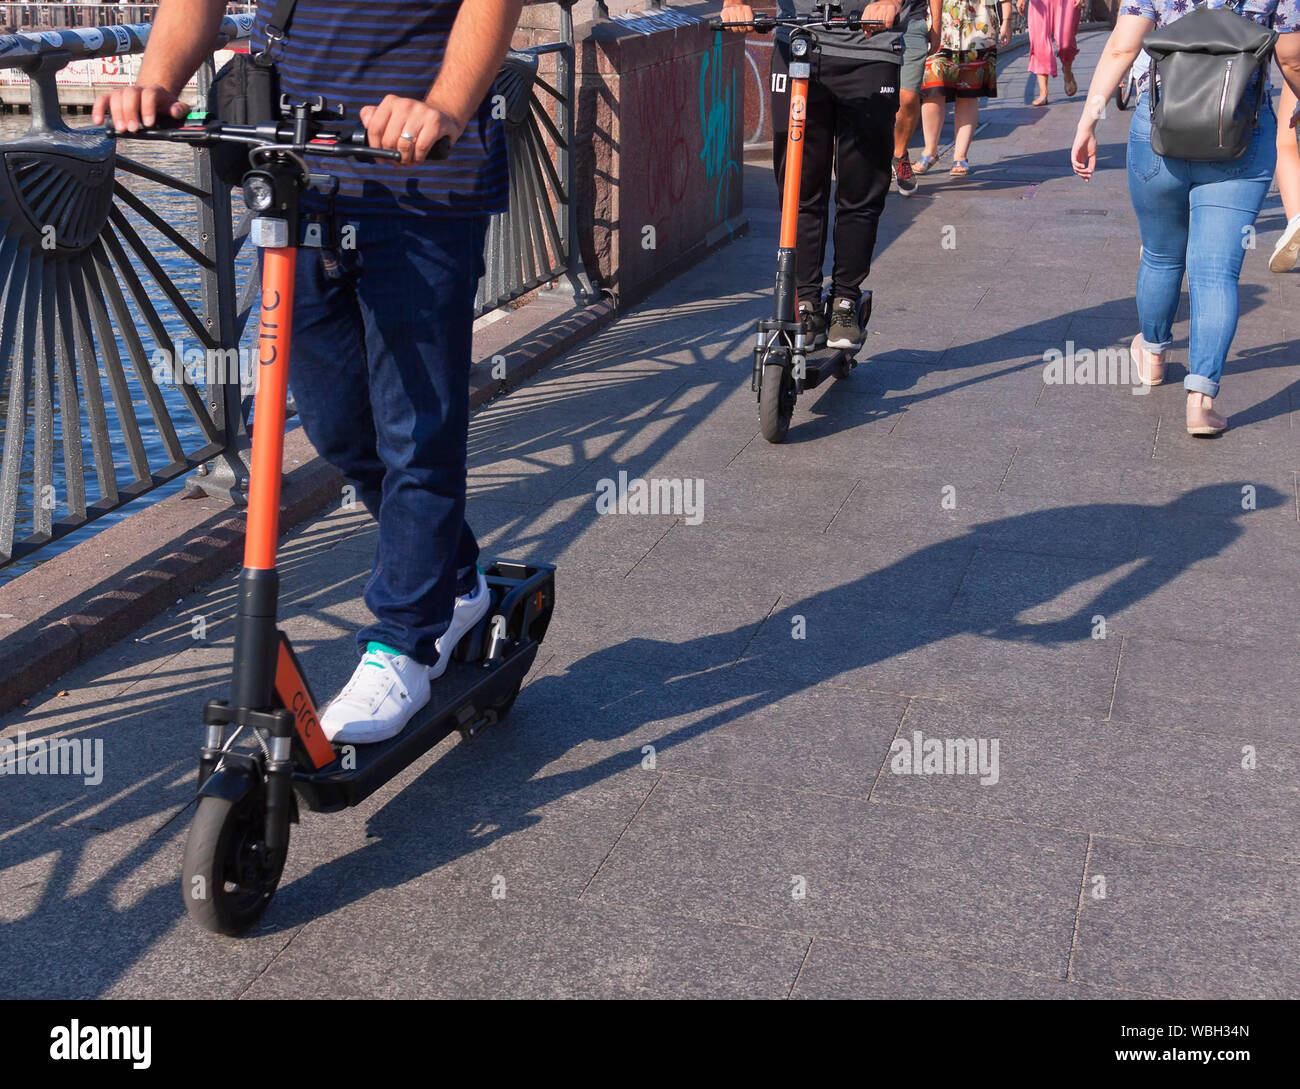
87,309
72,16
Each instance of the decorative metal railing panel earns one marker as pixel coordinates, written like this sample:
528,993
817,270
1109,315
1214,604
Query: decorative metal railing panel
527,245
96,405
110,263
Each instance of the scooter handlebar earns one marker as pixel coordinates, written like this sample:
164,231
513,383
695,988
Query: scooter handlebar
331,139
763,24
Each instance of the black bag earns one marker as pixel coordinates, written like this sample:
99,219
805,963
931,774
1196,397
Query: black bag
1210,66
247,92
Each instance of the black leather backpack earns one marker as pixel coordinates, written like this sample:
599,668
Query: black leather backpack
1210,66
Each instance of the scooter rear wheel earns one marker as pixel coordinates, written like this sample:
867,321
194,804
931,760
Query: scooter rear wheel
228,880
776,399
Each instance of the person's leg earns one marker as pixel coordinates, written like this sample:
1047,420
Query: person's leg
1287,251
933,107
908,117
1042,61
864,143
416,291
1288,156
815,177
1067,47
327,370
1225,200
910,76
965,115
1159,191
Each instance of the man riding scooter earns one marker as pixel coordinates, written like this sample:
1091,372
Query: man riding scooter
382,331
852,102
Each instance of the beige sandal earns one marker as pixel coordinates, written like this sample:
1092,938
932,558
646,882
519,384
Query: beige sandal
1157,371
1202,419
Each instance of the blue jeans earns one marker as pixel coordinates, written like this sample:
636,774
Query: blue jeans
380,365
1194,217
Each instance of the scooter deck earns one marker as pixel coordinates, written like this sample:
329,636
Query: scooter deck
825,363
486,670
463,699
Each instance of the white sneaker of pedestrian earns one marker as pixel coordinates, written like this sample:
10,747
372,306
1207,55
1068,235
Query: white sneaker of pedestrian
379,700
469,610
1287,251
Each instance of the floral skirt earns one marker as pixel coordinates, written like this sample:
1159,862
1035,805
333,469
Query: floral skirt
968,73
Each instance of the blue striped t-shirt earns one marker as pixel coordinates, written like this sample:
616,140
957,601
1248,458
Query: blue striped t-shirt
355,52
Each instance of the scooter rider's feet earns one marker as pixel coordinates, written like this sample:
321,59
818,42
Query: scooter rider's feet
386,689
814,322
904,176
844,332
469,610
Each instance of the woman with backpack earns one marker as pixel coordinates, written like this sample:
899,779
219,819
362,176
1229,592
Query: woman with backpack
1198,172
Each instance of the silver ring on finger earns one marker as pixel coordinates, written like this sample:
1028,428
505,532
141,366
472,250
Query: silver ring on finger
408,136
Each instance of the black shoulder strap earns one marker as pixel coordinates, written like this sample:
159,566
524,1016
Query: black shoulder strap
279,21
275,29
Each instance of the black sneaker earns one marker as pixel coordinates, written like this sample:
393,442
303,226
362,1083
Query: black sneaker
845,332
902,170
814,323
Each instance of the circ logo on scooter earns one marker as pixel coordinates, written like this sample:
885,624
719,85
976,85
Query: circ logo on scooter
304,714
269,330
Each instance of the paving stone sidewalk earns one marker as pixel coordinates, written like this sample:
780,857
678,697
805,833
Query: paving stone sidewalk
948,534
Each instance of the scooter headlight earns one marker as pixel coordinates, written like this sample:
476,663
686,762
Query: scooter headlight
259,193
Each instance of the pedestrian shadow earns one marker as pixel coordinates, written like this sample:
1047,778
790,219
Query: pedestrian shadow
589,723
877,389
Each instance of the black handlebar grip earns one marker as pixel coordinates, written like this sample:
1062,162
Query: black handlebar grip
440,150
167,120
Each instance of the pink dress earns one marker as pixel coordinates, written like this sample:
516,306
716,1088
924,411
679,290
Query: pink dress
1050,19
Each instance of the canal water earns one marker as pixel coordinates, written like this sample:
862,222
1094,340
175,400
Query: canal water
178,209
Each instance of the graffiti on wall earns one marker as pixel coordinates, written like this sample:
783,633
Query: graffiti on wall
717,121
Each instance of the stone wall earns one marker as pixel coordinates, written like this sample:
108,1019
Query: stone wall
660,129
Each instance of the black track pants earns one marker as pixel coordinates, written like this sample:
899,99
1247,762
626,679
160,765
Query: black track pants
851,107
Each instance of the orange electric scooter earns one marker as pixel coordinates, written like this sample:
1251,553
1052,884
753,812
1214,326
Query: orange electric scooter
248,793
786,360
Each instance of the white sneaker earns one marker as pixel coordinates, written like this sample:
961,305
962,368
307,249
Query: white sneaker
469,610
379,700
1287,251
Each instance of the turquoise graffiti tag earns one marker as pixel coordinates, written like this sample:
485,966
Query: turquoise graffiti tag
717,115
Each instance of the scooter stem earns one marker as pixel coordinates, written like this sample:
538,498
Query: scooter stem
786,274
257,647
278,269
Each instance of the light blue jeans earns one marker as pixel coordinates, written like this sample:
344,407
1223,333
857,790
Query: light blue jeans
1196,218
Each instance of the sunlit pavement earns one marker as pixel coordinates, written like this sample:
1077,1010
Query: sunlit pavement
735,770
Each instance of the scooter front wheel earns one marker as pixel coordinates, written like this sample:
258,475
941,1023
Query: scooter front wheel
228,879
776,398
